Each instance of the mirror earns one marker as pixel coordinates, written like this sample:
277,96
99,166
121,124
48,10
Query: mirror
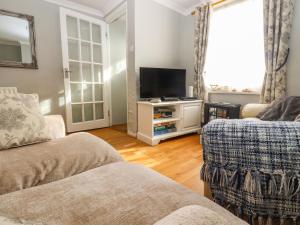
17,40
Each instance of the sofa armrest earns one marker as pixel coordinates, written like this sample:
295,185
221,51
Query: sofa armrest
56,126
252,110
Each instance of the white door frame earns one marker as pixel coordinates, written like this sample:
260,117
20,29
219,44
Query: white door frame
89,125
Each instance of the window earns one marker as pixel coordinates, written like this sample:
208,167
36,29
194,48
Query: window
235,54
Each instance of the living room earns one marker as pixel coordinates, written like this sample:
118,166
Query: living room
191,105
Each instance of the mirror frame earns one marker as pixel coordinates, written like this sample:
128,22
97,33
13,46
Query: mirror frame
30,19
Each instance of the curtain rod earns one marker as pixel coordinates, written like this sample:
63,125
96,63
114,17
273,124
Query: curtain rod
213,5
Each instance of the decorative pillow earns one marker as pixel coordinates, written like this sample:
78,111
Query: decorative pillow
10,221
297,118
21,122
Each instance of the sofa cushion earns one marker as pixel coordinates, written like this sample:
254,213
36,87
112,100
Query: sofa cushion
32,165
14,221
21,121
115,194
193,215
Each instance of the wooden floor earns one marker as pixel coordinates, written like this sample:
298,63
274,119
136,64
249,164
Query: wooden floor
179,158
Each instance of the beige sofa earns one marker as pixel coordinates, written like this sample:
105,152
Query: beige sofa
80,179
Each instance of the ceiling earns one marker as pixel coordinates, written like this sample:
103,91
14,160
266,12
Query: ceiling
184,7
104,7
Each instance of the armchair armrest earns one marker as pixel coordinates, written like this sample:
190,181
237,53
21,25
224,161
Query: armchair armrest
254,165
252,110
253,144
56,126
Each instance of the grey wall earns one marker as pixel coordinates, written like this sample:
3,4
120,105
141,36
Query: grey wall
156,35
131,76
47,81
155,43
117,33
186,46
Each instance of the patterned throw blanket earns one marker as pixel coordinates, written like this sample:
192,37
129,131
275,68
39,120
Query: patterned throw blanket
253,167
286,109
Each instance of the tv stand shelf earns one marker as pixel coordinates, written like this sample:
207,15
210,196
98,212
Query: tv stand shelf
185,119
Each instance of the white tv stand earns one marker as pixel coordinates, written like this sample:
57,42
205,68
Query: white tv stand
186,117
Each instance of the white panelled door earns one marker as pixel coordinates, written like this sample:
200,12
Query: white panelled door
85,61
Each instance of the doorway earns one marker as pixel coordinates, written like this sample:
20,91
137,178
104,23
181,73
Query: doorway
118,42
87,93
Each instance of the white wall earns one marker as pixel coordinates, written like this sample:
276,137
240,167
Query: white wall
117,31
293,87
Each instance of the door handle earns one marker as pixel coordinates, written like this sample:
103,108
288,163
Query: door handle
67,73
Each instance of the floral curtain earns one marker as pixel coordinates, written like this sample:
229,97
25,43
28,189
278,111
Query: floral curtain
278,15
200,47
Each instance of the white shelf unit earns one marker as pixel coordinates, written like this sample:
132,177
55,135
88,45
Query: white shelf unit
186,117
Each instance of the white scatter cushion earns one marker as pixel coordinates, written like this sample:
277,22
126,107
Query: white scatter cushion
21,121
193,215
10,221
297,118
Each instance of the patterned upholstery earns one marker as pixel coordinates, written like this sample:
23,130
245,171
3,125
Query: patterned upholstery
254,167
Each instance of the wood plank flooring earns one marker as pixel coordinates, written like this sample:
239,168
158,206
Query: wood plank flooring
179,159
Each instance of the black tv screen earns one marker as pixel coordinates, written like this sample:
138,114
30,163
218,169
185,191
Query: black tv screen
158,82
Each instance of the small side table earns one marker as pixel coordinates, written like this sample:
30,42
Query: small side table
221,111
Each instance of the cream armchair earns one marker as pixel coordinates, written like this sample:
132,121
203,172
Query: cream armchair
250,111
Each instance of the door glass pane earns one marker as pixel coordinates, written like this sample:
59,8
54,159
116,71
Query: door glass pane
98,92
97,73
87,72
72,27
88,112
97,54
77,113
76,92
85,52
85,30
88,92
99,111
96,33
75,71
73,49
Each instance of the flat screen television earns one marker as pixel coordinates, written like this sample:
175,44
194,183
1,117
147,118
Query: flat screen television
159,82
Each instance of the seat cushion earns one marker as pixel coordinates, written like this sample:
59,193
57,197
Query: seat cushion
42,163
15,221
116,194
193,215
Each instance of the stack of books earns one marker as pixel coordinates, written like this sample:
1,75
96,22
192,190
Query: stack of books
164,128
163,113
